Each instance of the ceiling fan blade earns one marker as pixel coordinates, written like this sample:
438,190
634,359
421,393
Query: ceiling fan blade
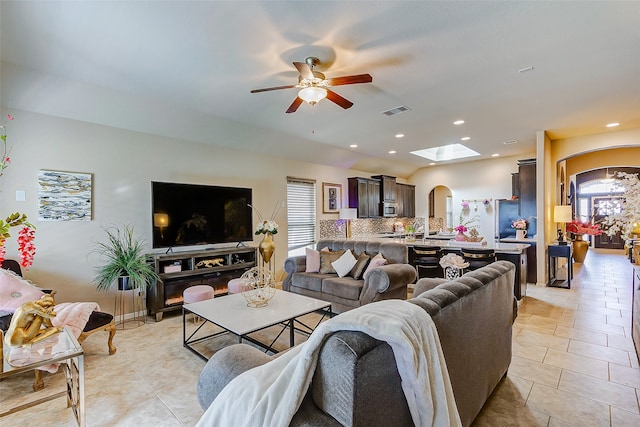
266,89
304,70
294,105
334,97
349,80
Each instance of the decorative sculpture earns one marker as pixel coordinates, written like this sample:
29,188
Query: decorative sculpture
257,287
27,322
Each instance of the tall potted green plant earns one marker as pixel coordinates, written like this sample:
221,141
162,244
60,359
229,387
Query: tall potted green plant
124,261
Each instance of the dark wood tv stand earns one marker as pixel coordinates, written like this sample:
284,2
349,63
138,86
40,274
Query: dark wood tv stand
180,270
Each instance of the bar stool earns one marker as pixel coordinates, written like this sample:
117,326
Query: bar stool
426,260
478,258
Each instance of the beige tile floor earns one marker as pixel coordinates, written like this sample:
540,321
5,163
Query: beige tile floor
573,365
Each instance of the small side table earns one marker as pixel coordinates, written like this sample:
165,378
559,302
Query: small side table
61,348
556,251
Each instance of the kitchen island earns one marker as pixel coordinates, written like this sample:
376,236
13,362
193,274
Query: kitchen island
513,252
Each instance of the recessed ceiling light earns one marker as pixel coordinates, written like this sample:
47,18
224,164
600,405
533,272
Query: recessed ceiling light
458,122
392,152
432,164
495,155
465,138
612,125
354,146
399,135
524,70
446,152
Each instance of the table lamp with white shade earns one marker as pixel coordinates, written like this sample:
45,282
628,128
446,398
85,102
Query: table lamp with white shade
562,214
347,214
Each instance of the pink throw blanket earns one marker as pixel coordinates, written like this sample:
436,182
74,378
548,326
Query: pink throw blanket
74,315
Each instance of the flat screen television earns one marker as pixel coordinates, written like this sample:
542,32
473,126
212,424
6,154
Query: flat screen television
190,214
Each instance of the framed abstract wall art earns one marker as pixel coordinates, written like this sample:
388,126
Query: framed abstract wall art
64,196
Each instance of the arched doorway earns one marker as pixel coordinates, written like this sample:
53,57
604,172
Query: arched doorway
440,208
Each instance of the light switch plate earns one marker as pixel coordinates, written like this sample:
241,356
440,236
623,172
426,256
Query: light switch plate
20,195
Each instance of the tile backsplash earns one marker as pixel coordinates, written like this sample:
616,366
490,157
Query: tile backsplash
336,229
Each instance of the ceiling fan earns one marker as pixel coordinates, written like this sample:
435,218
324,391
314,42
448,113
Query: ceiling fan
314,86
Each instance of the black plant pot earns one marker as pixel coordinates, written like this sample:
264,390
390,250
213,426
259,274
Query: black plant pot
123,283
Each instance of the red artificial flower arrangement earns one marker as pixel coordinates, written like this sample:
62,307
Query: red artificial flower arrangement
27,233
579,227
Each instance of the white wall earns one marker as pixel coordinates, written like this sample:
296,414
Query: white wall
123,164
490,179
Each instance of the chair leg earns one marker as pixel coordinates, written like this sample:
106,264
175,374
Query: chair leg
38,382
110,327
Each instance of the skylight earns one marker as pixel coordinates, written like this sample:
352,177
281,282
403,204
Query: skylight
446,152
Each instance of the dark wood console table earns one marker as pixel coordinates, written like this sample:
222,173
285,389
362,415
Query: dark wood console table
554,252
180,270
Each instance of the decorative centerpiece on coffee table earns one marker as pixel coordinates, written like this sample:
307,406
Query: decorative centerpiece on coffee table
257,287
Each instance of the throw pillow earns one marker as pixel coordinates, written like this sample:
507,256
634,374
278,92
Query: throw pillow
326,258
15,291
358,269
313,261
344,264
376,261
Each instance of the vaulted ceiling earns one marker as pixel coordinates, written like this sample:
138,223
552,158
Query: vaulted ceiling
185,69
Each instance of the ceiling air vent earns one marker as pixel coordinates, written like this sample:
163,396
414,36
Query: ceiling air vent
397,110
513,141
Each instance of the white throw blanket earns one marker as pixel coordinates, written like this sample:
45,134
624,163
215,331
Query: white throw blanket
269,395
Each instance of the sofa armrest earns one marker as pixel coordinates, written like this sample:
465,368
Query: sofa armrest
223,367
426,284
295,264
384,279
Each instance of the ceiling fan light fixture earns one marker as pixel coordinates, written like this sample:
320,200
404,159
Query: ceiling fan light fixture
312,94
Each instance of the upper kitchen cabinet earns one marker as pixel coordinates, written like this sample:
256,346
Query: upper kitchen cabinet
364,194
388,192
527,190
406,196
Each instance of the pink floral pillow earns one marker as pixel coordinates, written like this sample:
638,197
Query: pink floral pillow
313,261
376,261
15,291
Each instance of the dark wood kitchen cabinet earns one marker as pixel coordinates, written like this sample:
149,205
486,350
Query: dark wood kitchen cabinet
406,195
364,195
388,188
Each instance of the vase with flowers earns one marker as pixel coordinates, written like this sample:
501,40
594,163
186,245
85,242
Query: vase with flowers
464,226
520,225
27,233
268,227
460,230
579,229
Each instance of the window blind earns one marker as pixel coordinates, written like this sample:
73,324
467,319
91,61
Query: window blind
301,212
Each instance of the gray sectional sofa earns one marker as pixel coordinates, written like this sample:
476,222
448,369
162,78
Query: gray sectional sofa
356,382
345,293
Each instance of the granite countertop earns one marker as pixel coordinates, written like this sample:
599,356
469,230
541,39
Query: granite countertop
501,247
527,240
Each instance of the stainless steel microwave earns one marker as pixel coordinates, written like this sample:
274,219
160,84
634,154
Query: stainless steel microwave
389,209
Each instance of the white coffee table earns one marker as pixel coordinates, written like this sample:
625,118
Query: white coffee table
232,314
